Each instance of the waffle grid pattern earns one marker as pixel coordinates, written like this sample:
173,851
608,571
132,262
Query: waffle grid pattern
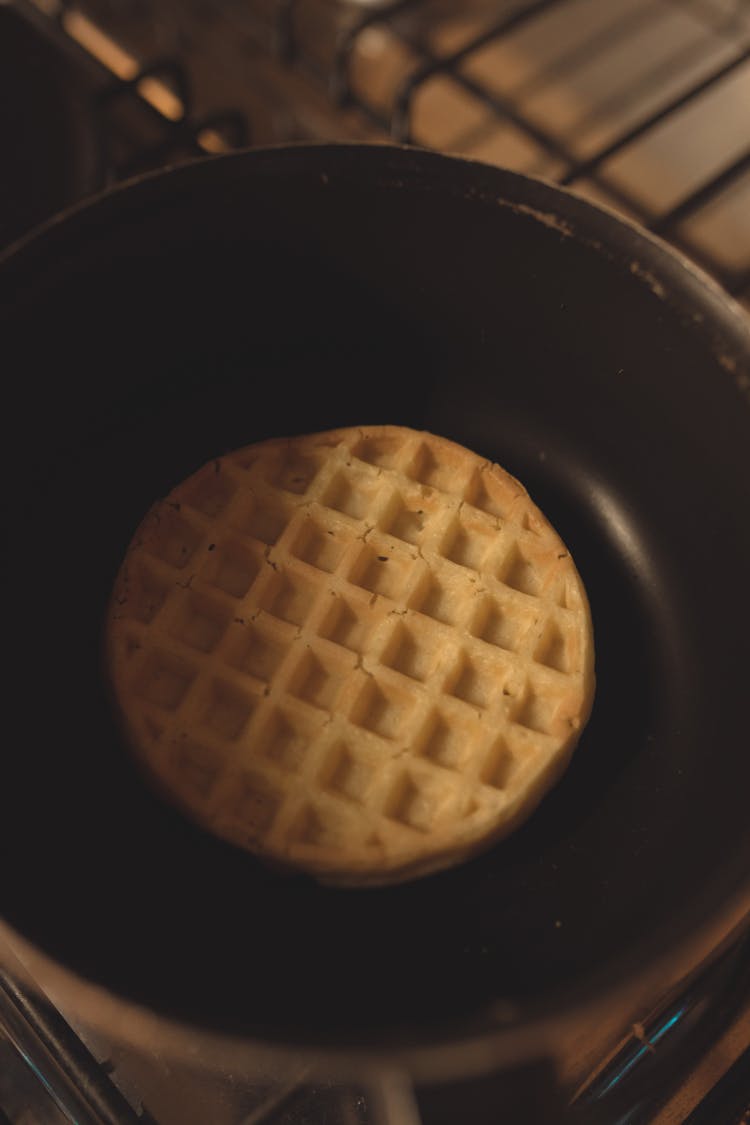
354,652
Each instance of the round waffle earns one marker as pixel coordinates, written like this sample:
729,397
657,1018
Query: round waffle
364,654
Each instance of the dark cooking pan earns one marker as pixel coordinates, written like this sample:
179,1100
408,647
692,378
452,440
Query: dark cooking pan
283,291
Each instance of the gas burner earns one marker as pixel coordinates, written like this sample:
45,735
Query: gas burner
688,1063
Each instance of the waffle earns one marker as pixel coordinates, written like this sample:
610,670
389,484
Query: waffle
364,654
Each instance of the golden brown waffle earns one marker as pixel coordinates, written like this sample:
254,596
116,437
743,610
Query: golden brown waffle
363,653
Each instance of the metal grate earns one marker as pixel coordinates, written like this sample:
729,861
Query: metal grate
142,107
643,105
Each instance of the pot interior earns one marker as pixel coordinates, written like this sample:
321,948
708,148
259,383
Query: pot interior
293,291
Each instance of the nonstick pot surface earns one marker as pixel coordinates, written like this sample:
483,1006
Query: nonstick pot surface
295,290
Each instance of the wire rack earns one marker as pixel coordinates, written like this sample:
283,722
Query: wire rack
643,105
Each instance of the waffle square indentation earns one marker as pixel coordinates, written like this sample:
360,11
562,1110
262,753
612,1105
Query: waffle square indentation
380,573
382,449
474,682
434,598
200,622
227,709
343,624
490,495
346,774
468,545
232,566
176,540
410,651
499,625
404,520
536,712
428,469
530,522
519,572
410,804
552,649
164,680
289,597
445,742
293,473
498,766
319,546
143,596
264,522
313,826
351,494
256,653
255,805
198,766
382,710
569,596
285,740
318,680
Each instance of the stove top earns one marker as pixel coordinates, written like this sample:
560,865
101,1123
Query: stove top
687,1062
639,104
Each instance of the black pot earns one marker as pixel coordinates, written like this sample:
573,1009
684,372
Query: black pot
290,290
